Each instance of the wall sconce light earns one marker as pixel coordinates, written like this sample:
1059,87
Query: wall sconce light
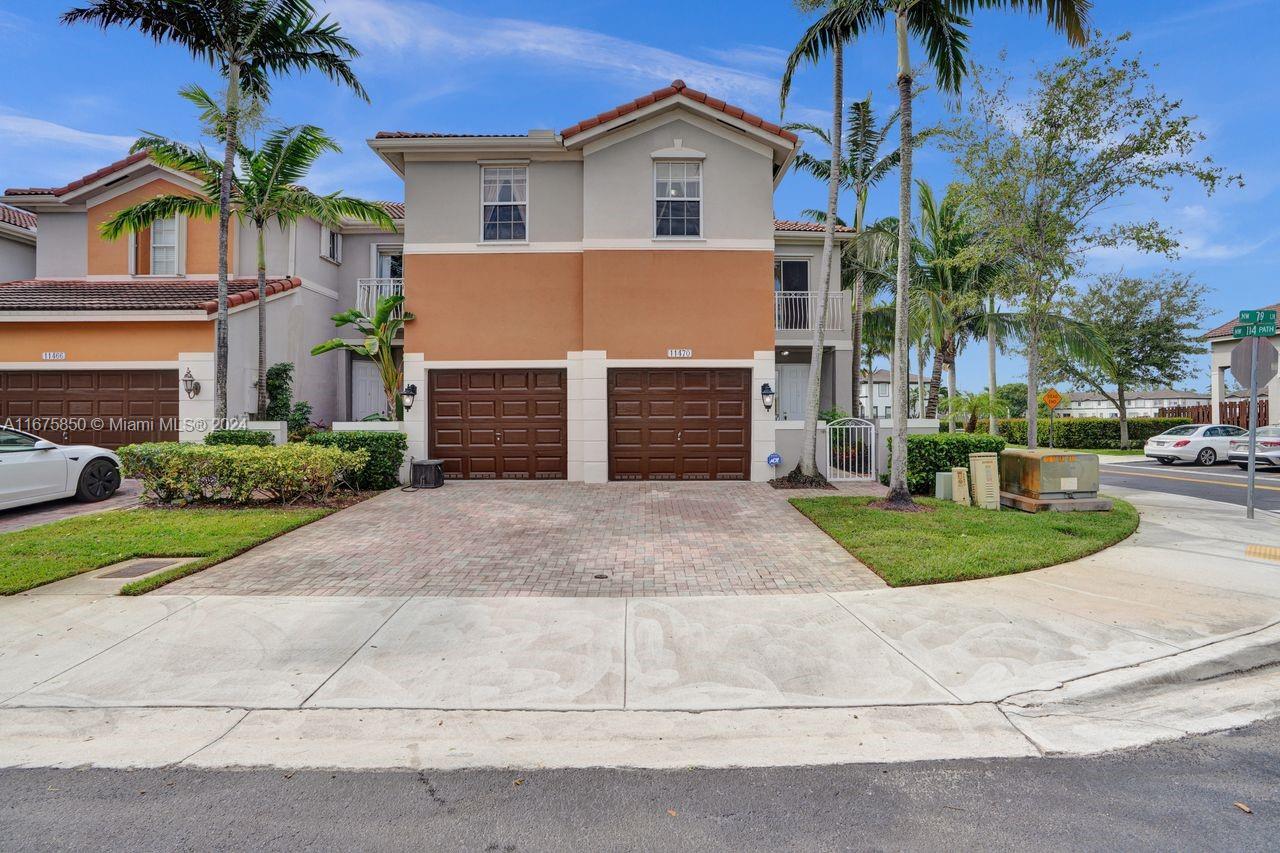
407,395
190,385
766,396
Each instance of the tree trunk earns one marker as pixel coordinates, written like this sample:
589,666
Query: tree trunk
1121,405
898,492
951,386
221,347
992,427
1033,385
859,282
809,455
922,356
262,320
935,384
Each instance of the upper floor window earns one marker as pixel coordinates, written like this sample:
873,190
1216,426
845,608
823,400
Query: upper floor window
330,245
677,199
505,199
164,247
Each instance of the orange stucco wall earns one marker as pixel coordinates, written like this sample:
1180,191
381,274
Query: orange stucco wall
104,341
112,257
494,306
639,304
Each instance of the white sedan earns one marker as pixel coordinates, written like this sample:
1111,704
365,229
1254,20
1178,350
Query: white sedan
1204,444
34,470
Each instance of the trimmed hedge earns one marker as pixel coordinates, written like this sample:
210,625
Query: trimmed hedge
386,452
174,472
1084,433
929,454
253,437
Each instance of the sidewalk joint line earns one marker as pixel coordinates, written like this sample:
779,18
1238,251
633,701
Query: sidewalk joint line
366,642
230,729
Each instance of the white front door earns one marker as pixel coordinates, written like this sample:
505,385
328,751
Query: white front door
793,381
367,396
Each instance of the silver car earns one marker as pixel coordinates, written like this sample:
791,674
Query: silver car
1268,453
1203,444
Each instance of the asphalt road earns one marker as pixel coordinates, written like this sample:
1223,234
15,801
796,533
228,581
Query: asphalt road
1225,482
1172,796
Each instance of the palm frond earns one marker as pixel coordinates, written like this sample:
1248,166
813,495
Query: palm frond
143,215
942,30
843,22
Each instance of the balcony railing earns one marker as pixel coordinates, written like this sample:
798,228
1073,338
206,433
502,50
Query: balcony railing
370,290
797,311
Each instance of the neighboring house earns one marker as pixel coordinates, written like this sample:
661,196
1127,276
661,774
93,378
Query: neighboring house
609,301
17,243
876,394
1138,403
108,329
1221,343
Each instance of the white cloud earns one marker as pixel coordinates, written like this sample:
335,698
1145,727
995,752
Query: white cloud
20,130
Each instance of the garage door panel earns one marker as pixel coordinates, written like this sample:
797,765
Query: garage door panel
134,405
482,410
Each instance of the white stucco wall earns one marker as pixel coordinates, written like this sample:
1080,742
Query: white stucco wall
17,259
62,250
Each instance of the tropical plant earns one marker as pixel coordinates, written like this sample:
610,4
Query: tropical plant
264,190
247,41
379,333
942,26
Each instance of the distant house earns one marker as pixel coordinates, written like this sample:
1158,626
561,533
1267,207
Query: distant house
1221,343
1139,404
17,243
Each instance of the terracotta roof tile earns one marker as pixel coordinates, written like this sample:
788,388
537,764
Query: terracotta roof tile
413,134
806,226
1224,331
678,87
80,182
146,294
394,209
18,218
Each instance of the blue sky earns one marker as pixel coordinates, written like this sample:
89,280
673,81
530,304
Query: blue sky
77,97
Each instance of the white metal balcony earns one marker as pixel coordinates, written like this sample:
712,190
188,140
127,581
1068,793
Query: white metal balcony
370,290
797,311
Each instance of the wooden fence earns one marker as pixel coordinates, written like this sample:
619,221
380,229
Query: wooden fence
1235,412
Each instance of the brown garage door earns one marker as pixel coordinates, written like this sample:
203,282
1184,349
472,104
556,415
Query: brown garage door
679,424
500,424
109,408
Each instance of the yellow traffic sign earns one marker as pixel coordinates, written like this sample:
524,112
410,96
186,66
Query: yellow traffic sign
1052,398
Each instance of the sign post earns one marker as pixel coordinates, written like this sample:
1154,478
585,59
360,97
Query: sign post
1256,358
1053,400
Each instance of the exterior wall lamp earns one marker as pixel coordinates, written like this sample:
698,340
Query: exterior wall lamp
766,396
407,395
190,385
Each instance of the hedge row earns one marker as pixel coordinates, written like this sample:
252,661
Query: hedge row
174,472
385,452
1084,433
929,454
252,437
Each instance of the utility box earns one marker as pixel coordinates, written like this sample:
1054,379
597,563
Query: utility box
960,486
1046,479
942,485
985,480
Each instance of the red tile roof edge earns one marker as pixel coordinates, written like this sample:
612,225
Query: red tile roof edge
678,87
244,297
17,217
136,157
806,226
1224,331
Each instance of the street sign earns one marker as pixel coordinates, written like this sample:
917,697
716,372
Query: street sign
1242,361
1254,330
1052,398
1265,315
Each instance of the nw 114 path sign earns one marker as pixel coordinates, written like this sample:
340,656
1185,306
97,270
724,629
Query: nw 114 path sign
1257,323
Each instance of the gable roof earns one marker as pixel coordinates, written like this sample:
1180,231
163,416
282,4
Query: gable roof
46,295
678,87
17,218
137,157
1224,331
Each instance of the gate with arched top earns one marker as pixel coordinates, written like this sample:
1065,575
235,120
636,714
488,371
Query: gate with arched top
851,449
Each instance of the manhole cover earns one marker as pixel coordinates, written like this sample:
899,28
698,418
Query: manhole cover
142,567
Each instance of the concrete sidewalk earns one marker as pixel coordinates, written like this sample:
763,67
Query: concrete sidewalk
1171,632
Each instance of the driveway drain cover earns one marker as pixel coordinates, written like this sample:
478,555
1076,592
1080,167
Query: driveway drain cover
142,567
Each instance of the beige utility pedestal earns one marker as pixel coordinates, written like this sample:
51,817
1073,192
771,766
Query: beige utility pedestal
984,473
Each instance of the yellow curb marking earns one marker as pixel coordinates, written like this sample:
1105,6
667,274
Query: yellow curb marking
1263,552
1201,480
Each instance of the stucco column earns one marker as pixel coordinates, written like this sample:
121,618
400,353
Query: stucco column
195,415
1219,360
763,370
842,375
588,402
415,420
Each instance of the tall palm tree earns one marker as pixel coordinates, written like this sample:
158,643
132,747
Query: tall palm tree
941,26
264,189
247,41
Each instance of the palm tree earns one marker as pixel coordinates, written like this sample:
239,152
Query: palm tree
265,189
379,334
941,25
247,41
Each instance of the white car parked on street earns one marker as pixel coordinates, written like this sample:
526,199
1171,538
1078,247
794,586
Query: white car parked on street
1267,454
1203,444
34,470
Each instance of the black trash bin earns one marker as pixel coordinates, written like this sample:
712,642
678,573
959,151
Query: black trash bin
427,473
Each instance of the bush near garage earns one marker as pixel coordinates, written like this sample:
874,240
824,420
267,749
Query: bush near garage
1084,433
386,452
253,437
929,454
178,473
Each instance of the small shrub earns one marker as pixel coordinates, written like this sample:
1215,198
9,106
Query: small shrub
299,417
279,392
833,414
174,472
929,454
385,450
255,437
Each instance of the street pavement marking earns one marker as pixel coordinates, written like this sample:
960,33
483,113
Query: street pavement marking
1202,475
1201,480
1263,552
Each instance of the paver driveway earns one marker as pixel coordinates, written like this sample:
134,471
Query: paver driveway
530,539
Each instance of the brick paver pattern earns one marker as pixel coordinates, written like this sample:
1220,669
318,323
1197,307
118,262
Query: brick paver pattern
20,518
550,539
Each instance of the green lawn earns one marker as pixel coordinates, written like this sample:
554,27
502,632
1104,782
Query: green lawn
51,552
955,542
1136,450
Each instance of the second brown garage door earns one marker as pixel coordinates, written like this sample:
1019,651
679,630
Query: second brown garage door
679,424
107,408
500,424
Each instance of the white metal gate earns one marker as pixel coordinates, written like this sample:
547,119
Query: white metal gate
851,449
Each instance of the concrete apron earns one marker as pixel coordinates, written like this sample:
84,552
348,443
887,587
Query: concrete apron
1173,632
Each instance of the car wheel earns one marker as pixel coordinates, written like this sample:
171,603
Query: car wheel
98,481
1206,456
1243,466
1165,460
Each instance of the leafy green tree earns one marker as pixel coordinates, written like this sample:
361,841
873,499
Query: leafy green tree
1045,173
247,41
1011,399
1152,328
379,332
265,189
